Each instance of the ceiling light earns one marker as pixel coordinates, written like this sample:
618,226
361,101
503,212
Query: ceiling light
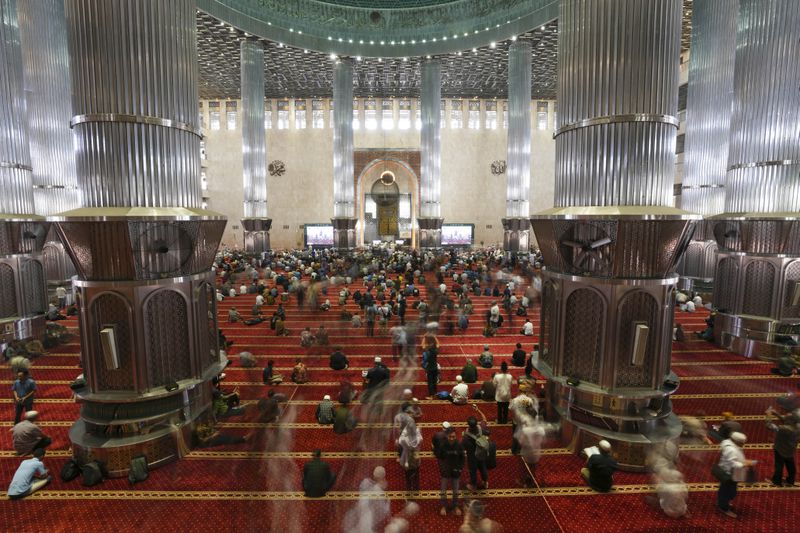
358,58
434,39
372,42
392,43
444,38
413,41
333,56
340,39
476,31
405,59
330,38
455,36
291,30
492,44
466,33
424,41
299,32
380,60
269,24
475,50
361,41
305,51
486,28
459,53
427,57
513,37
350,41
383,42
542,28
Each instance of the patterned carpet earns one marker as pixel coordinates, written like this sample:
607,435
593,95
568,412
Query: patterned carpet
256,486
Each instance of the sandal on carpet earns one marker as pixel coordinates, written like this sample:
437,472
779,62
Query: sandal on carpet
443,511
727,513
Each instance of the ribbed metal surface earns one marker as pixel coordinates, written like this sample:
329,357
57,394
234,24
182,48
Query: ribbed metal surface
47,87
431,140
254,145
135,58
16,195
708,111
618,57
765,127
343,191
518,172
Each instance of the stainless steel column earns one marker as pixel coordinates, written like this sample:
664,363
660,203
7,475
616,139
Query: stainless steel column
23,294
612,243
430,219
757,287
708,118
45,64
142,247
254,149
516,225
344,221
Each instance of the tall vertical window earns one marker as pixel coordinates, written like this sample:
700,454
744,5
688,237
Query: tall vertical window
443,114
541,116
505,114
456,115
283,115
387,114
370,114
299,114
317,114
213,116
356,121
418,116
474,120
404,115
201,116
230,115
555,113
268,114
491,116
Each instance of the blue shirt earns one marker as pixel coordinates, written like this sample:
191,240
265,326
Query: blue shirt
23,478
22,388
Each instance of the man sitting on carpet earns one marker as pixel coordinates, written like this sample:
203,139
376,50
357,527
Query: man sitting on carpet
27,436
599,470
338,360
486,358
325,411
23,483
299,372
460,393
469,372
318,478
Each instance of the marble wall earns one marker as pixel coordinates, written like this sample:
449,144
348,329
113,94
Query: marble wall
304,193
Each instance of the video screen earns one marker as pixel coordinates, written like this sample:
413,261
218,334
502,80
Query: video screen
321,235
457,235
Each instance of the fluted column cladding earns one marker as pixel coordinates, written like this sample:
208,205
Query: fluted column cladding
518,172
254,147
343,191
764,158
47,85
430,140
134,84
618,99
708,110
16,193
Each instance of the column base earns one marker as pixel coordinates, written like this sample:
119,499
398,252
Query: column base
256,234
344,232
516,234
430,232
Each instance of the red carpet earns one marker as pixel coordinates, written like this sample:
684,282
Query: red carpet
252,487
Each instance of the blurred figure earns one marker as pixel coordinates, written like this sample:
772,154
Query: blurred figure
372,507
475,522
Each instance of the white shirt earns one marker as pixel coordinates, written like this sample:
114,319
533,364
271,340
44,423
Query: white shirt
243,289
232,292
527,329
460,393
731,456
219,296
259,300
495,310
61,292
502,383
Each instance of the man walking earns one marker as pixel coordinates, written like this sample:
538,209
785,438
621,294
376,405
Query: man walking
786,435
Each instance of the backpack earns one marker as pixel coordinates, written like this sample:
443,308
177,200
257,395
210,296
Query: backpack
92,474
482,446
138,471
70,470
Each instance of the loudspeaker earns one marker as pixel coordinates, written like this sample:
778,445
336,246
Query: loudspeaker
108,342
573,382
640,333
171,386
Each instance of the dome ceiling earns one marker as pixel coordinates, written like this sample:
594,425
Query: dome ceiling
300,72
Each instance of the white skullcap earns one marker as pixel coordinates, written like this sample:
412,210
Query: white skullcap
738,438
445,424
30,415
459,379
326,397
377,359
379,472
407,392
604,445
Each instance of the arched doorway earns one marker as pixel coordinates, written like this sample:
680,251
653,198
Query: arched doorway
388,193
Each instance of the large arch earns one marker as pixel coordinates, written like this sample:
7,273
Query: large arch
407,180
